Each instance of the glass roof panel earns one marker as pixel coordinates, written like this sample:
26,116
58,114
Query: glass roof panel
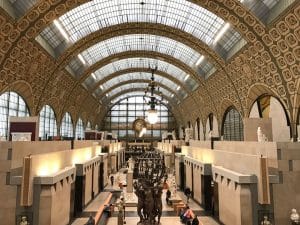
141,63
141,42
97,14
141,76
136,85
134,93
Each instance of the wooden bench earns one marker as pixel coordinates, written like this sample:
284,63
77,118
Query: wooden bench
178,206
101,209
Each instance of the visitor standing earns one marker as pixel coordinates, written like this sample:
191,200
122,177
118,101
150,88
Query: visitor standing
112,178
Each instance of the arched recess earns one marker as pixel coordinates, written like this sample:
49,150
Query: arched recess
267,106
211,125
67,127
47,123
257,90
232,125
11,104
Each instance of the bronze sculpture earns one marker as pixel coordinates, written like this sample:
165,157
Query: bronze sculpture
149,186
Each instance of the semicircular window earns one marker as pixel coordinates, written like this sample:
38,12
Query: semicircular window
11,104
122,114
48,126
233,126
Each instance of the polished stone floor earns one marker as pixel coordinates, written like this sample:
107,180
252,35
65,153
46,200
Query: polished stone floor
168,216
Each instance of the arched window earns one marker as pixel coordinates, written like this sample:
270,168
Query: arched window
96,127
88,125
233,125
66,128
79,132
11,104
267,106
48,127
121,116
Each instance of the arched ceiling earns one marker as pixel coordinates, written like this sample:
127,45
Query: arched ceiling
184,15
163,75
187,40
136,83
130,77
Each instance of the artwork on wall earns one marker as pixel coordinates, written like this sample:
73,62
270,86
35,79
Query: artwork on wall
21,136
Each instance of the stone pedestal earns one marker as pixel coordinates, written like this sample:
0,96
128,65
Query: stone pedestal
129,181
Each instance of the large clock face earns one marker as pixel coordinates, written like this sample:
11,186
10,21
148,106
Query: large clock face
138,125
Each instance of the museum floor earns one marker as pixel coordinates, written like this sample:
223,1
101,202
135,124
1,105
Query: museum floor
168,217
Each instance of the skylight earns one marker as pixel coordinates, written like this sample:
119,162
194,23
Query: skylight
123,64
98,14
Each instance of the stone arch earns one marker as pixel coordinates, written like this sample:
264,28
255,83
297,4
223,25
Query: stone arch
256,91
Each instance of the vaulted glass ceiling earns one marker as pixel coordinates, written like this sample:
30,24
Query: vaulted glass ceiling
184,15
123,64
136,86
142,42
143,77
135,93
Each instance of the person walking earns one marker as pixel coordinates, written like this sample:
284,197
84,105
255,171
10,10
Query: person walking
112,178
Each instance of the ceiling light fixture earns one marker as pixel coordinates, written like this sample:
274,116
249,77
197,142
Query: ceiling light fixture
94,76
61,29
152,114
178,88
101,86
221,32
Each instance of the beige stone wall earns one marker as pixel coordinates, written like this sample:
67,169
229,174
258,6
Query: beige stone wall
105,169
113,163
251,125
280,129
88,185
197,184
84,143
20,149
234,203
177,170
96,175
54,205
188,175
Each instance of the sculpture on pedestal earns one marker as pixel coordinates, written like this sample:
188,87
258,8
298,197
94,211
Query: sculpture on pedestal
24,220
149,186
295,218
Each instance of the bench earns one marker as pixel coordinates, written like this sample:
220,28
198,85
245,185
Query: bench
101,209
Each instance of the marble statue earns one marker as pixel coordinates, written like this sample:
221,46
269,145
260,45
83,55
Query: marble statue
24,221
265,221
259,135
295,218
